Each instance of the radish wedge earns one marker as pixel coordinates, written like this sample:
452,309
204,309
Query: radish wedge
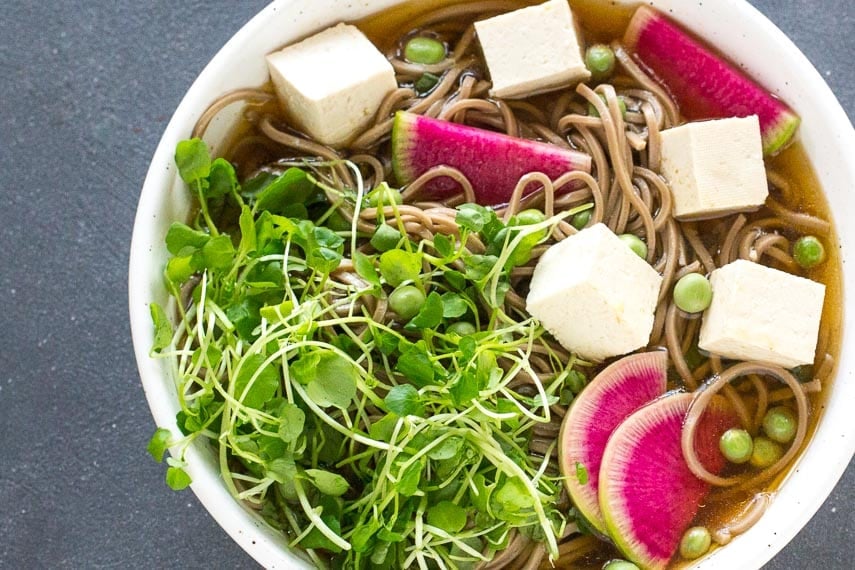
492,162
616,392
648,494
703,84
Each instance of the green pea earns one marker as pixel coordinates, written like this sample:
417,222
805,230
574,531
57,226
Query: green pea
736,445
385,238
619,565
424,50
695,543
766,452
582,219
461,328
635,244
530,217
600,61
337,222
780,424
406,301
808,252
592,111
693,293
384,195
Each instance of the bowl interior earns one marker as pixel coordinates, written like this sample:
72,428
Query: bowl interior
733,26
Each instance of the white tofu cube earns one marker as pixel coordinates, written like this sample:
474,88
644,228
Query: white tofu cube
594,294
760,313
332,83
532,50
715,168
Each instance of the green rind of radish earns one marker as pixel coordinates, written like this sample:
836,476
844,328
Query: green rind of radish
492,162
648,494
703,84
615,393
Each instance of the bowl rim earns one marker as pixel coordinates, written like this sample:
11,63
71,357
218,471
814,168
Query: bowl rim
263,543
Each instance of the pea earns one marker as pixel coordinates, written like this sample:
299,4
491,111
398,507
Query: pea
530,217
600,61
695,543
424,50
385,238
780,424
582,219
384,195
736,445
592,111
693,293
619,565
766,452
406,301
461,328
808,252
635,244
337,222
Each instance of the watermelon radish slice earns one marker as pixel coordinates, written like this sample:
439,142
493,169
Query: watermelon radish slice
648,494
492,162
616,392
703,84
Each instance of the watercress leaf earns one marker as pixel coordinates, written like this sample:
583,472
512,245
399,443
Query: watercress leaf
478,266
455,279
304,369
410,479
415,364
248,238
404,400
513,496
430,315
472,217
361,537
177,479
318,540
218,252
245,316
365,268
282,469
332,378
292,421
181,235
398,266
158,443
453,305
179,269
450,447
222,179
464,389
254,384
327,483
467,346
383,429
446,515
386,342
291,187
209,356
162,328
193,160
443,244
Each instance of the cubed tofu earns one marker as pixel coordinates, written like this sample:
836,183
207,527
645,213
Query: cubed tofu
594,294
332,83
715,168
760,313
532,50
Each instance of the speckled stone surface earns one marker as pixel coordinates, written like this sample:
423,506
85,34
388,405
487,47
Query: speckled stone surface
87,88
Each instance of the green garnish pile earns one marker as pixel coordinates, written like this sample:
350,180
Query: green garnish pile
391,443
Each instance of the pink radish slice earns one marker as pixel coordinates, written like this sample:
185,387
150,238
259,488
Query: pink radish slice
492,162
616,392
704,85
648,495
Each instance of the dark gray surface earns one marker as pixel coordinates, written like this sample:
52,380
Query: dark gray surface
87,89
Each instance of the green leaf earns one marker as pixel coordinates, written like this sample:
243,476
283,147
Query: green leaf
513,497
449,448
398,266
446,515
479,266
162,327
317,540
455,279
248,239
472,217
292,187
430,315
293,420
453,305
245,316
181,235
222,179
158,443
444,245
327,483
361,537
177,479
218,253
465,389
404,400
415,364
193,160
581,474
383,429
365,268
209,356
179,269
330,378
282,470
410,479
262,388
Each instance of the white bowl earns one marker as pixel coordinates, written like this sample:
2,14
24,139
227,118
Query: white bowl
733,26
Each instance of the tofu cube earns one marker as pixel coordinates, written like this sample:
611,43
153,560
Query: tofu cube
332,83
760,313
715,168
595,295
532,50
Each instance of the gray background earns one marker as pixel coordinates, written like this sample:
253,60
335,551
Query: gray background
86,88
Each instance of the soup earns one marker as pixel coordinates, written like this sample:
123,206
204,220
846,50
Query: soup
391,345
